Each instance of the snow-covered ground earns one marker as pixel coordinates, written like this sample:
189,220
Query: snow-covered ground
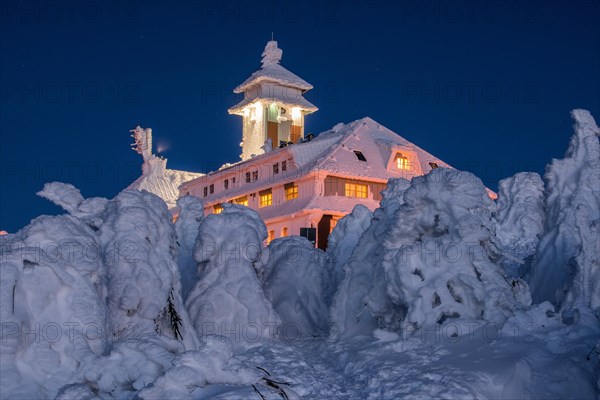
439,293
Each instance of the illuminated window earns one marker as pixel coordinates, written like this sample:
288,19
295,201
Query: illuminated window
242,200
254,175
276,168
284,231
247,177
211,188
271,237
226,183
401,161
355,190
360,155
218,209
291,191
265,198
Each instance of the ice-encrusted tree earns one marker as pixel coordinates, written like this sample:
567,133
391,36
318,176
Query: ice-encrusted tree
566,270
228,298
442,256
297,283
191,212
520,219
362,287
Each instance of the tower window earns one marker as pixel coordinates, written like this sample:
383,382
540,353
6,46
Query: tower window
401,161
226,183
276,168
360,155
355,190
247,177
211,188
291,191
265,198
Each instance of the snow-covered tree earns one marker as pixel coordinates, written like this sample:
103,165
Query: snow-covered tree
566,270
228,298
520,219
297,283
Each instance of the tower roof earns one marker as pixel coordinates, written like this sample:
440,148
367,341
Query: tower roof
272,71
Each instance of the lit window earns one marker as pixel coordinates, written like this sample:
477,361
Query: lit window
360,155
254,175
271,237
218,209
276,168
266,198
247,177
205,191
401,161
242,200
226,183
291,191
211,188
284,166
284,231
356,190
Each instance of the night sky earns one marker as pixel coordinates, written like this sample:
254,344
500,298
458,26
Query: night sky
484,86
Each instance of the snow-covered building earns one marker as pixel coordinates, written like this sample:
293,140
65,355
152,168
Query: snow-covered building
297,182
156,177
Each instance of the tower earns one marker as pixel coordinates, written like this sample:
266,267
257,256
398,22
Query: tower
273,107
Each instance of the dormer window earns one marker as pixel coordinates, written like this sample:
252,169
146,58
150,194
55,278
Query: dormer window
360,155
433,165
401,161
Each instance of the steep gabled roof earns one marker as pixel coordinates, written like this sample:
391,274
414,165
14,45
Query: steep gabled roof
272,71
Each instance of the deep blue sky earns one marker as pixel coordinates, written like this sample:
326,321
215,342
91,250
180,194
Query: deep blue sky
485,86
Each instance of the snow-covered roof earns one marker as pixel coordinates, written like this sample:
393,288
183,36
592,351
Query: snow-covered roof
272,71
333,153
163,182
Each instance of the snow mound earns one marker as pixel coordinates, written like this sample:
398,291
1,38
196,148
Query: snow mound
566,270
296,282
228,298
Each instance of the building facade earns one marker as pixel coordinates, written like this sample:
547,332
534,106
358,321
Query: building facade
301,184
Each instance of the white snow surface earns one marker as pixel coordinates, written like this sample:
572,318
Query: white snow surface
421,298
